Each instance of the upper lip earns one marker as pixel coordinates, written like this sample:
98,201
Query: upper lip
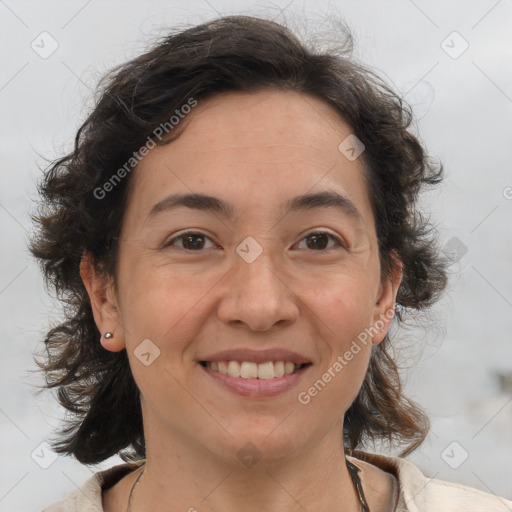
257,356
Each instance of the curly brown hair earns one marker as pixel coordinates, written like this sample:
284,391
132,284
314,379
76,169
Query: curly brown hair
233,53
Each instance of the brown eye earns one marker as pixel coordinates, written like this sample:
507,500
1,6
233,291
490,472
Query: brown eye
319,241
190,241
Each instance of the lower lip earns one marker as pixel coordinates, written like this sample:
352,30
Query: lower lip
256,387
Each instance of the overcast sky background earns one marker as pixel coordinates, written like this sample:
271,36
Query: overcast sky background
463,101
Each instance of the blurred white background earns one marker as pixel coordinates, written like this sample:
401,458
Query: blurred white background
460,85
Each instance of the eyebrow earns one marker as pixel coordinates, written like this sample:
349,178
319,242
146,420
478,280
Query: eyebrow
311,201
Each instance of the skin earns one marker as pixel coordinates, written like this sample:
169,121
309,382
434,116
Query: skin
256,151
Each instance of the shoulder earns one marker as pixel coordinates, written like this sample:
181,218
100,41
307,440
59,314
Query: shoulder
418,493
88,497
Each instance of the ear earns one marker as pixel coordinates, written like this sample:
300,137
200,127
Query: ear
384,309
101,291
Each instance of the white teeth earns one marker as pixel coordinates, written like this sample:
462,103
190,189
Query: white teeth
266,370
247,370
288,368
250,370
234,368
278,369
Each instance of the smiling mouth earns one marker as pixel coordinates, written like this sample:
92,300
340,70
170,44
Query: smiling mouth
250,370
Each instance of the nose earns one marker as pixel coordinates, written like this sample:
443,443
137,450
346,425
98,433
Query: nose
258,295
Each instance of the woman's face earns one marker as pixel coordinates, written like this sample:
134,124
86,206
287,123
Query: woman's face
256,275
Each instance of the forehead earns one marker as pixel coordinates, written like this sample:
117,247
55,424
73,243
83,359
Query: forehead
254,150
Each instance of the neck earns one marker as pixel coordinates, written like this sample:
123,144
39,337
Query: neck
187,477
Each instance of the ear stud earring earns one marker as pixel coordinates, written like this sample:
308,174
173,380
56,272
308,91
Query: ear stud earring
108,335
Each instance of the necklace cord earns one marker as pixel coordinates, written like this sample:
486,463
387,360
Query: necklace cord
354,470
128,508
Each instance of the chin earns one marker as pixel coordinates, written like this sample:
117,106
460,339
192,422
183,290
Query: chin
257,446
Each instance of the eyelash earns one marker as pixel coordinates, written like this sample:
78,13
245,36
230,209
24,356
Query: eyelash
170,243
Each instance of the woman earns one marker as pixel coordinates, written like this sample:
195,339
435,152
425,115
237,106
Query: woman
232,236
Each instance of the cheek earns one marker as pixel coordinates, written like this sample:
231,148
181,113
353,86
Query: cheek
344,302
155,299
343,294
162,308
342,310
335,384
155,307
342,313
